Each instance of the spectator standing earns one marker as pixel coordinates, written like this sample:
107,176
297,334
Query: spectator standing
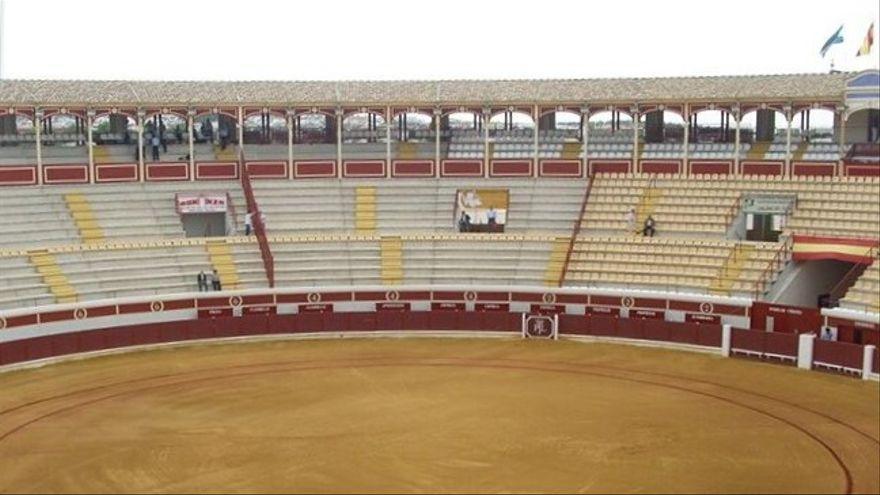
649,227
224,137
464,222
248,223
630,219
209,281
202,279
216,281
155,142
491,216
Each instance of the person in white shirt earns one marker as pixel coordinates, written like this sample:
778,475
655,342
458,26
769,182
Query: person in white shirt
155,142
630,219
491,216
248,223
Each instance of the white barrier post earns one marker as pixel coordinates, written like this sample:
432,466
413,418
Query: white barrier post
867,361
805,351
725,340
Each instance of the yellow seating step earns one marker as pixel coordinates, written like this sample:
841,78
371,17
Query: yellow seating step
101,154
59,285
365,209
229,154
223,261
556,262
391,260
758,150
799,152
731,270
571,151
80,209
407,151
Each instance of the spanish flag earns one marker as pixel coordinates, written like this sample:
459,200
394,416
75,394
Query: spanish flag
869,41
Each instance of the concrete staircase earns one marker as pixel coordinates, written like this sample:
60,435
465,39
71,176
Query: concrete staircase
81,210
758,150
556,262
391,252
223,261
365,210
571,151
731,270
53,277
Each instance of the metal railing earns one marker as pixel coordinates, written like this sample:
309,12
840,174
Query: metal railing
577,228
850,278
779,259
257,219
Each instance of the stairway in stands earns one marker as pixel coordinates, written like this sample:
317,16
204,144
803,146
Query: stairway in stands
229,154
758,150
571,151
365,210
730,271
101,154
223,261
645,207
556,262
799,152
52,275
80,209
391,260
407,151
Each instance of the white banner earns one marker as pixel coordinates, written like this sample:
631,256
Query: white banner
202,203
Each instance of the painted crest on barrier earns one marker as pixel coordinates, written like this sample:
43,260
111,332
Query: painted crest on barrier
2,323
470,296
157,306
235,301
627,301
706,307
549,298
313,297
392,295
80,313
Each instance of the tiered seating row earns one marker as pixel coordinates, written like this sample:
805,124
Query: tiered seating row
865,294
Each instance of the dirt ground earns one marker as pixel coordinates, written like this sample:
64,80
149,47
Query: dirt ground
429,415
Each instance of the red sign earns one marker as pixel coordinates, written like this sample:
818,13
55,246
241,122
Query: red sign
392,306
209,314
447,306
602,310
547,309
702,318
315,308
492,307
646,314
259,310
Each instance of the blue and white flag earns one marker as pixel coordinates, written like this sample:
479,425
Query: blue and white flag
833,40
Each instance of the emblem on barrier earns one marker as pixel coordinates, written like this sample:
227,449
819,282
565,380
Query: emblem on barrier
80,313
470,296
313,297
2,323
627,301
392,295
235,301
549,298
157,306
706,307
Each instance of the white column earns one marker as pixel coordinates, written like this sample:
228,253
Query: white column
585,135
805,351
725,340
736,145
635,153
92,171
140,153
438,116
38,136
241,133
338,142
537,118
486,158
867,361
388,141
841,132
788,117
685,142
191,139
289,145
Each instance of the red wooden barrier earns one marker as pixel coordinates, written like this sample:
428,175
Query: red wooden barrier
838,354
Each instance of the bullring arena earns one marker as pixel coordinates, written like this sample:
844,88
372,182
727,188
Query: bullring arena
607,285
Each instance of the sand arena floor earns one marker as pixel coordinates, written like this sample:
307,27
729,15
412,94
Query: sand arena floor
428,415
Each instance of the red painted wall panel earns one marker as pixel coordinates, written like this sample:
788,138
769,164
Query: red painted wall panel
412,168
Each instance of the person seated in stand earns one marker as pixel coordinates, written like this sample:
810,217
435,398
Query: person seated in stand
209,282
649,229
491,217
216,281
464,222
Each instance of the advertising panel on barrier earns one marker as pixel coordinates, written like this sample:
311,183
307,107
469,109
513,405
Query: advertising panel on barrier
447,306
315,308
702,318
646,314
214,313
492,307
260,310
202,202
547,309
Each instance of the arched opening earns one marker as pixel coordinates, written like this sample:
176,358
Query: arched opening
363,136
711,135
815,138
313,128
610,135
17,140
762,135
166,137
511,135
115,139
413,136
463,130
559,135
662,134
216,136
265,136
863,136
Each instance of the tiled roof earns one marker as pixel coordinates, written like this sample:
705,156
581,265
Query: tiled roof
480,92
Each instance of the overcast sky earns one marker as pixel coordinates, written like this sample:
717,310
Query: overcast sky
444,39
